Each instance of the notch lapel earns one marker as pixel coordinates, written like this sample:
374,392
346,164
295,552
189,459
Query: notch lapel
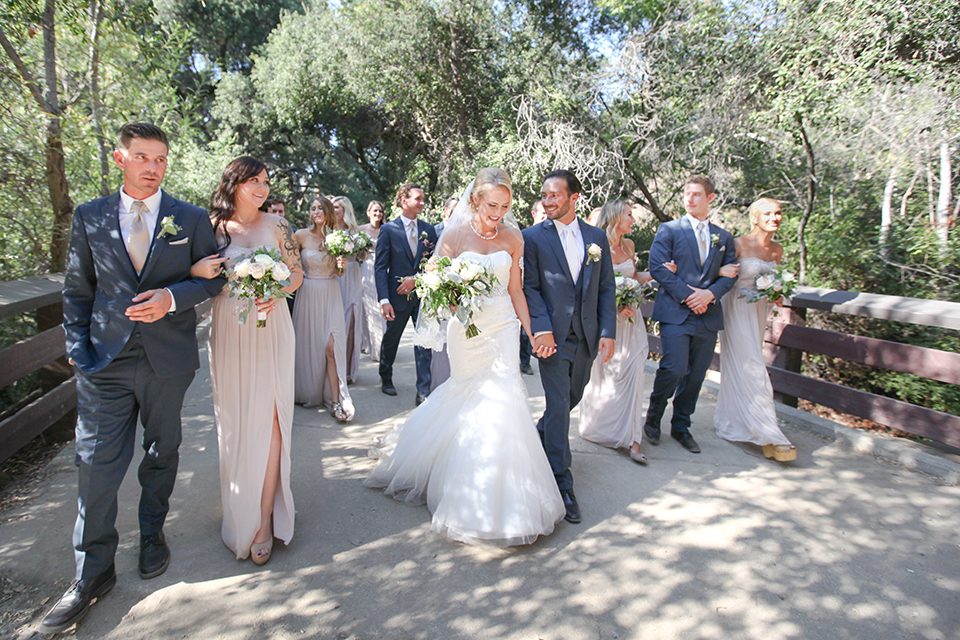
553,239
402,228
168,207
686,229
110,213
586,267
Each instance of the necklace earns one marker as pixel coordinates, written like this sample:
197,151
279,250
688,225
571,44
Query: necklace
496,232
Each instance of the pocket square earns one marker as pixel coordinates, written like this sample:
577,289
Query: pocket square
184,241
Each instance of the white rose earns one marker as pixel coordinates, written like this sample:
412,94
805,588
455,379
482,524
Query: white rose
765,281
632,284
257,270
348,246
619,280
242,269
265,260
595,251
789,277
431,279
470,271
280,271
331,239
778,286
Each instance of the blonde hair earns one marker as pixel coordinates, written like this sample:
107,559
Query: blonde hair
348,216
488,179
609,217
753,211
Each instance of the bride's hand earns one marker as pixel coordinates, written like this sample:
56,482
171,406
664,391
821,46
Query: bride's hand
628,313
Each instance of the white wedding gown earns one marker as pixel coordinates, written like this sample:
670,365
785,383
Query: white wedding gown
471,451
745,411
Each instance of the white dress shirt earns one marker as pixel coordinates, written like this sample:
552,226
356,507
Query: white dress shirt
152,204
572,241
701,231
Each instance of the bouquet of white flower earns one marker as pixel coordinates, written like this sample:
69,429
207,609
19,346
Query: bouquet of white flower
361,242
631,292
453,288
771,285
263,274
340,243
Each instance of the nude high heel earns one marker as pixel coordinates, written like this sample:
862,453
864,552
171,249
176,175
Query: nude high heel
780,452
259,547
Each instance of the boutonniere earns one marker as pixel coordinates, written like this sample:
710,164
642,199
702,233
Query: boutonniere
168,227
427,247
594,253
715,239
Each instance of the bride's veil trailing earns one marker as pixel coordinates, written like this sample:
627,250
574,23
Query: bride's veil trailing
431,332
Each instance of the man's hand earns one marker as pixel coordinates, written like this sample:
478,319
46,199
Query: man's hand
606,349
699,300
387,311
406,285
154,304
544,345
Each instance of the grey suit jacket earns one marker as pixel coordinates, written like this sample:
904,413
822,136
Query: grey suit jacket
101,282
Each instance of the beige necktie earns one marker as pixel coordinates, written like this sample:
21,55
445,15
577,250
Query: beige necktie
702,241
139,245
412,236
570,249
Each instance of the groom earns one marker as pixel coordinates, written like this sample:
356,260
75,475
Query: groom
570,291
687,308
131,336
401,247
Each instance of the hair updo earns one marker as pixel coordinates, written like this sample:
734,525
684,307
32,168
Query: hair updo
753,212
488,179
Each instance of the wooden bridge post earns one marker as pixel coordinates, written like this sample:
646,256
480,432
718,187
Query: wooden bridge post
787,358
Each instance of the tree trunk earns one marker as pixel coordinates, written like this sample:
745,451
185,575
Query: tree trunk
886,213
943,202
56,163
96,106
811,194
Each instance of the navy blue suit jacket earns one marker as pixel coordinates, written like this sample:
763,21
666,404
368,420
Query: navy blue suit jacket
394,261
675,240
101,281
551,292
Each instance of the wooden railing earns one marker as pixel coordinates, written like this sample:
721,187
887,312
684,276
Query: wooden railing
788,339
56,400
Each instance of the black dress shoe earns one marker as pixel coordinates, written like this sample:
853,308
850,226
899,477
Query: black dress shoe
526,369
75,603
154,555
686,441
421,399
652,433
387,387
570,504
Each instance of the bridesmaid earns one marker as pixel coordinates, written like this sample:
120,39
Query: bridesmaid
252,372
745,410
376,325
610,412
351,289
321,372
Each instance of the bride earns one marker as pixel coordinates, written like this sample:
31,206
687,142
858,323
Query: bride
471,451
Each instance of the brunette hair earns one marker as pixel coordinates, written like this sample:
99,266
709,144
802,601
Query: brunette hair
573,183
329,217
142,130
382,211
404,192
702,180
223,201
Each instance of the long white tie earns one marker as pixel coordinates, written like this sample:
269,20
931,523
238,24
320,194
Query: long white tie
412,237
570,249
139,245
702,241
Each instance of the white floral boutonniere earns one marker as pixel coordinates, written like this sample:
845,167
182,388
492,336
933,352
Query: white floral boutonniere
168,227
594,252
714,239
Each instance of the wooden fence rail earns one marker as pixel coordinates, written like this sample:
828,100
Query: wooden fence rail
789,340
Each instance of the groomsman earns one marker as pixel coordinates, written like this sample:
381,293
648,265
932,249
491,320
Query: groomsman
570,290
687,308
131,336
401,247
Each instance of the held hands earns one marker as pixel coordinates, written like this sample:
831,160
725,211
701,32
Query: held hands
209,267
544,345
699,300
606,349
406,285
154,304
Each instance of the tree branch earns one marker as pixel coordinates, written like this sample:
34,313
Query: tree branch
24,72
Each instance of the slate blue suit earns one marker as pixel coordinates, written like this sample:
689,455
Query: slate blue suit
393,262
127,369
688,339
578,314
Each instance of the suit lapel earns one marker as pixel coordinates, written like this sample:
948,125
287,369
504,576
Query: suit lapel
402,228
686,229
586,267
712,251
157,245
553,239
111,225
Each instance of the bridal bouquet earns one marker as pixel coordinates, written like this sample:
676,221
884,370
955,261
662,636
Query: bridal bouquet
771,285
340,243
454,287
630,292
261,275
